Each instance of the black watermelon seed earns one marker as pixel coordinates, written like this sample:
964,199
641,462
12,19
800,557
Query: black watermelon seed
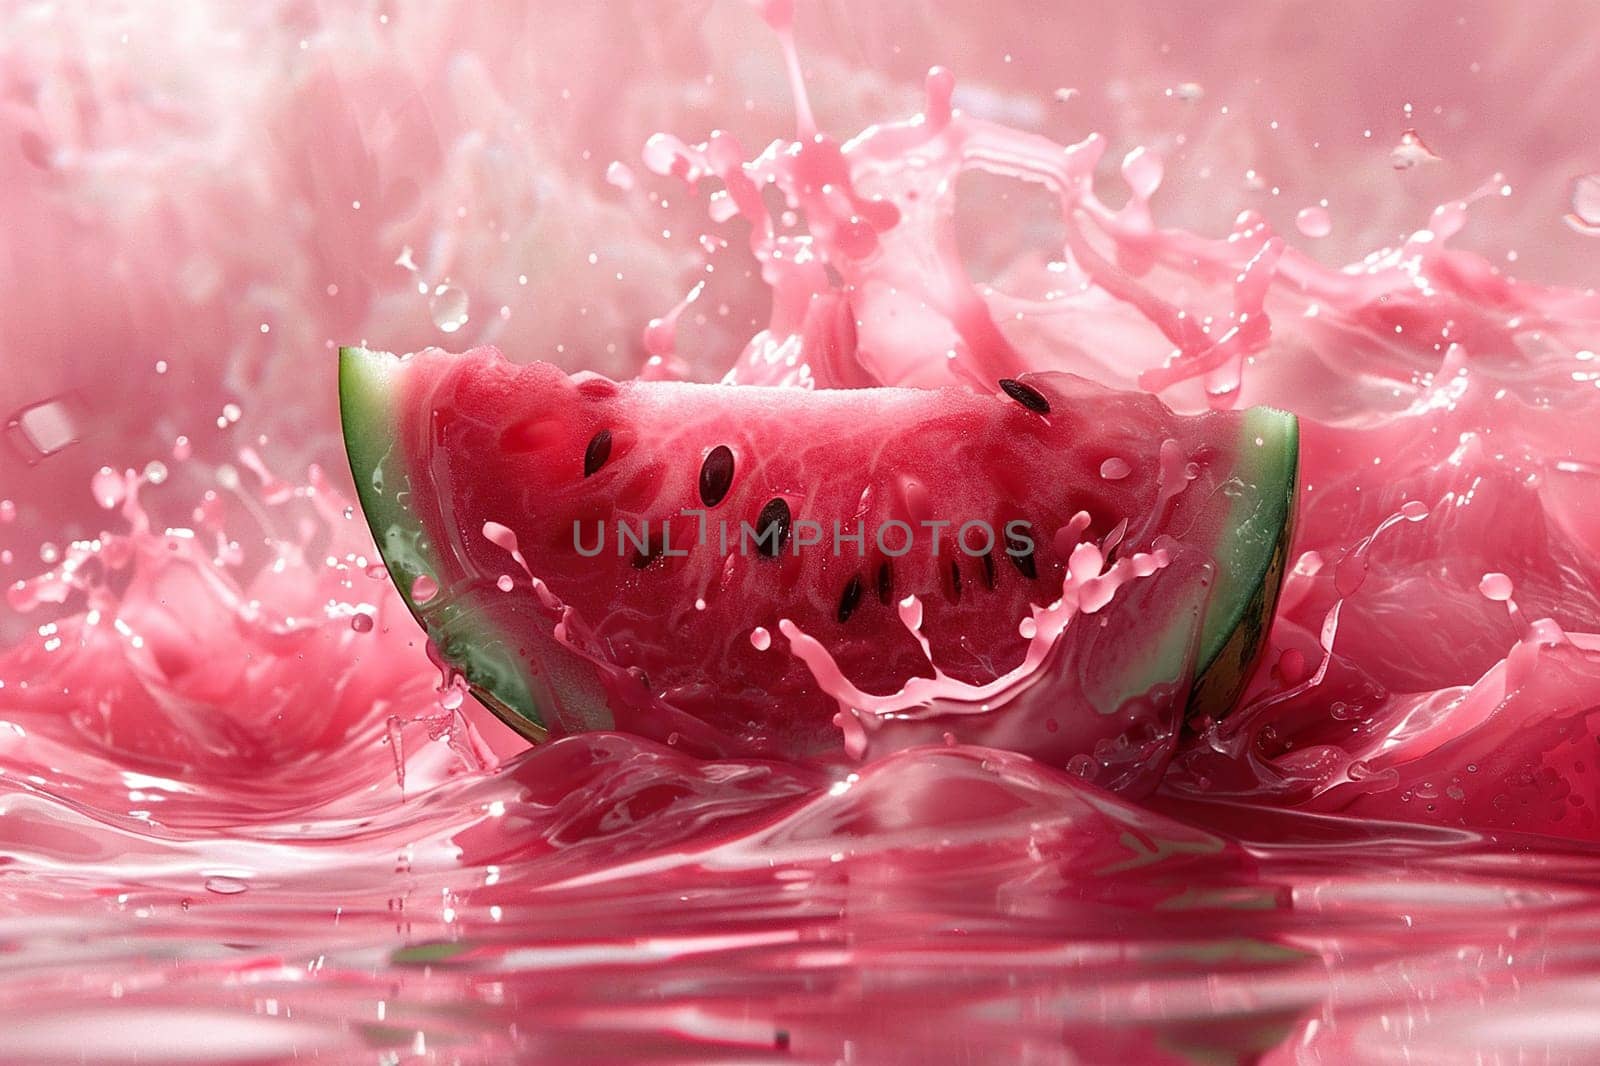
772,527
1023,561
1026,395
598,451
885,584
849,599
988,570
716,475
955,581
651,552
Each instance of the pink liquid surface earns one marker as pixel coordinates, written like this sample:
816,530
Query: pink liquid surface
242,818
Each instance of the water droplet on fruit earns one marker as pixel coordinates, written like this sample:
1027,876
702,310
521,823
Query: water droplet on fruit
423,589
377,571
107,487
760,639
1414,510
504,584
699,604
1115,469
226,886
1027,629
448,306
1314,221
1495,586
361,622
1081,766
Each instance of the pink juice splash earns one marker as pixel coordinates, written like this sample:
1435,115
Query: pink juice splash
243,816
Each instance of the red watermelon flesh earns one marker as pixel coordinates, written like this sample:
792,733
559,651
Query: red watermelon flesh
490,487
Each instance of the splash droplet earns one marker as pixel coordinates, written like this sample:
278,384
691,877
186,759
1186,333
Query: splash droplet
107,487
1414,510
620,175
155,472
449,308
504,584
1495,586
423,589
1314,221
1115,469
1410,151
760,639
46,427
361,622
1585,215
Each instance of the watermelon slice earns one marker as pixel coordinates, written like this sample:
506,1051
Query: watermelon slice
1054,567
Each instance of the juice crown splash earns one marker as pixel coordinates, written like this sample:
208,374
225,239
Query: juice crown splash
244,818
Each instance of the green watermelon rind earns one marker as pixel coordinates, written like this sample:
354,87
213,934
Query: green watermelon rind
465,638
1251,554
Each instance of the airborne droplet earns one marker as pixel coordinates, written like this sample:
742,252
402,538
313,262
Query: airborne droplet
1585,215
1314,221
448,305
1495,586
